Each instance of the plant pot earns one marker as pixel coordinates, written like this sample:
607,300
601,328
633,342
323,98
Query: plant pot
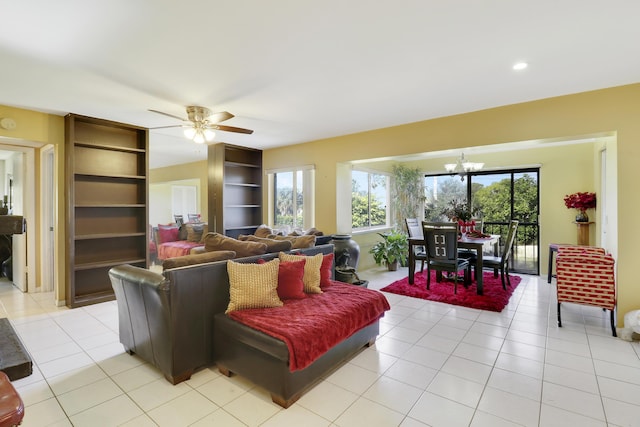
393,266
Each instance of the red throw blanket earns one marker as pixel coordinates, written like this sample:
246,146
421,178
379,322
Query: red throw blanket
313,325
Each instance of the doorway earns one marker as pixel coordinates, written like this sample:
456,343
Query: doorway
47,220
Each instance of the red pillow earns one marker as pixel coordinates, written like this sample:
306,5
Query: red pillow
290,284
167,234
326,270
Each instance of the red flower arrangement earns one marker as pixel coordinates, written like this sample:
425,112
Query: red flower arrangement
580,201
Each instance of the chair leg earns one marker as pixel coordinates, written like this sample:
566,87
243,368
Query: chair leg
559,319
428,277
455,283
506,272
504,286
613,324
422,267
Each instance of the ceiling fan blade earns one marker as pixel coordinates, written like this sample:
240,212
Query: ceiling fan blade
220,117
168,115
167,127
230,129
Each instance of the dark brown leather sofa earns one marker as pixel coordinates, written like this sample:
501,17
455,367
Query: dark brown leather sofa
168,320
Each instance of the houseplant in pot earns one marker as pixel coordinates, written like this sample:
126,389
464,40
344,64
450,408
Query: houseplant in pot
393,249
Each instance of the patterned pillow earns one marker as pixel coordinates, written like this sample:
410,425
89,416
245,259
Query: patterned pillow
311,276
195,232
253,285
167,233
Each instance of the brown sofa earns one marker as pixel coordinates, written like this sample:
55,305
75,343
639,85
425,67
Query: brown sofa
176,322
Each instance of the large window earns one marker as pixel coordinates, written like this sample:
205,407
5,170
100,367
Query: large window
369,200
291,198
496,197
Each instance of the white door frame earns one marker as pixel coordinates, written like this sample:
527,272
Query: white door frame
48,275
29,209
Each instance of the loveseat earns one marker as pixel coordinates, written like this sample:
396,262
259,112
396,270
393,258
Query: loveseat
177,322
172,241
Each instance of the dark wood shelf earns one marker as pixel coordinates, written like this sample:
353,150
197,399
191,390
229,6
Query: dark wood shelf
109,147
234,184
235,188
102,175
242,165
108,263
112,205
108,235
107,204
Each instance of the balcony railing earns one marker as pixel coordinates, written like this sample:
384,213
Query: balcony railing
526,254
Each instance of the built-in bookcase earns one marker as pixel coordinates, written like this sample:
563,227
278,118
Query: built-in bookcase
107,168
235,189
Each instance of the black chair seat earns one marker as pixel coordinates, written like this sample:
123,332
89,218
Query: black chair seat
462,263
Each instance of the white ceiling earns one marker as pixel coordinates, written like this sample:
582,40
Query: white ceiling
296,71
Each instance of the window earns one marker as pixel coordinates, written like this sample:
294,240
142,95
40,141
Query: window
369,200
291,197
183,200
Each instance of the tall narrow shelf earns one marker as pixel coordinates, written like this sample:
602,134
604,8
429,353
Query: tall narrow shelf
107,215
235,189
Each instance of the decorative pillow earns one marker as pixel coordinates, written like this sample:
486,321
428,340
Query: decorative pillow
311,278
290,284
325,270
196,231
182,232
273,245
297,242
253,285
263,231
185,260
219,242
167,233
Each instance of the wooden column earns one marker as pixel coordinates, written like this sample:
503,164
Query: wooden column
583,232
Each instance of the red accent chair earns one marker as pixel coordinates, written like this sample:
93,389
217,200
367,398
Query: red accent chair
585,275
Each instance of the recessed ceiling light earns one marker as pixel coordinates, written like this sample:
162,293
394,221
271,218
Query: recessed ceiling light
520,66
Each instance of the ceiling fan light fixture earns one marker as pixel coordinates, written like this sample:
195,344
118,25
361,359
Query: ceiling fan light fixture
190,132
199,137
209,135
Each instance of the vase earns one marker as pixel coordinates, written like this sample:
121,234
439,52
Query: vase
346,250
582,216
393,266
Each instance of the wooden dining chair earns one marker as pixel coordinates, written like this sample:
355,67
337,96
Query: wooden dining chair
441,243
501,263
414,229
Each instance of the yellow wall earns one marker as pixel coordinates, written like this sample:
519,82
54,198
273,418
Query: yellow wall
602,112
44,128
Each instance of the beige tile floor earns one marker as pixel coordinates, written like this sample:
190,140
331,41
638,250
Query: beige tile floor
433,365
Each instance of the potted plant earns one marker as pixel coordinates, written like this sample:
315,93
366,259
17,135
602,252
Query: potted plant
393,248
407,192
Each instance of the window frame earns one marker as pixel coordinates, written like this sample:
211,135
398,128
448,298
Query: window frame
308,195
387,200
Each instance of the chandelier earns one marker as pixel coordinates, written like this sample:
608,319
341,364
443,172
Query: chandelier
462,167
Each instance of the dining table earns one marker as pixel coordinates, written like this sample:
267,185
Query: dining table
476,244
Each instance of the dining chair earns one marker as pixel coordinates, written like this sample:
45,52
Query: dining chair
441,243
178,219
195,218
501,263
415,231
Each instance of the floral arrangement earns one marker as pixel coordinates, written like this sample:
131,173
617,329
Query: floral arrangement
457,210
581,201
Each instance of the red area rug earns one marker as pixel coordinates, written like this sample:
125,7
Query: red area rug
494,298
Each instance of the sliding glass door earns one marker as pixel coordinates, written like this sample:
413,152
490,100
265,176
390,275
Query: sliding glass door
497,197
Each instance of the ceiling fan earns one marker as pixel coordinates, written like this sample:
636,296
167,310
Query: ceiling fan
201,123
